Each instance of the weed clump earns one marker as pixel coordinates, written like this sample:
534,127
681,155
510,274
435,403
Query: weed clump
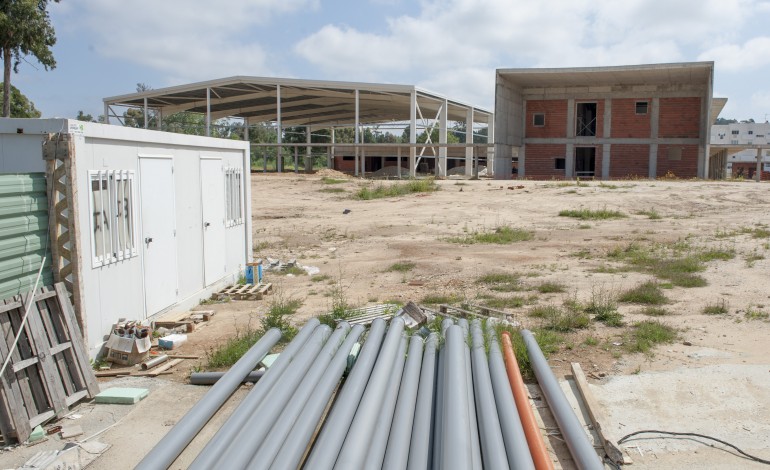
503,235
551,287
397,189
648,293
646,334
589,214
717,308
501,282
401,267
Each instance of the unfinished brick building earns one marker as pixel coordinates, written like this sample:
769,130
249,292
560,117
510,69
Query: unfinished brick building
604,122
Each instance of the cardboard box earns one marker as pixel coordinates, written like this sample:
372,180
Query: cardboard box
127,351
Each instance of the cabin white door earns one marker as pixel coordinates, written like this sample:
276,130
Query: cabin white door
158,232
213,219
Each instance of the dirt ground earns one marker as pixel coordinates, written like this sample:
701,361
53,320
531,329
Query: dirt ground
714,379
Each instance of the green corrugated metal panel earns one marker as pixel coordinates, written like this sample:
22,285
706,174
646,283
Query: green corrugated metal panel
23,232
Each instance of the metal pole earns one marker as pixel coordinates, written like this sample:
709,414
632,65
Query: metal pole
168,449
491,438
376,452
456,446
266,450
210,378
397,454
579,446
327,445
209,455
356,445
238,454
472,418
421,445
296,442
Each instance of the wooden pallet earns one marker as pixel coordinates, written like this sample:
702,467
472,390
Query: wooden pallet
244,292
186,319
49,370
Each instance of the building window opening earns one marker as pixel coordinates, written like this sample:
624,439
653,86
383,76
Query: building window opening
538,120
586,119
559,163
641,107
735,132
112,216
585,161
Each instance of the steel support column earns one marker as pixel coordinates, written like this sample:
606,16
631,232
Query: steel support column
469,167
413,134
279,131
208,111
355,130
441,163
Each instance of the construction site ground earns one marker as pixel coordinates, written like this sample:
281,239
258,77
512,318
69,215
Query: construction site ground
714,379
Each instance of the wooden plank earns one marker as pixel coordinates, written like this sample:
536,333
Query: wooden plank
18,424
182,356
23,380
10,306
79,347
112,373
41,418
164,367
76,397
6,420
53,341
65,339
597,418
23,364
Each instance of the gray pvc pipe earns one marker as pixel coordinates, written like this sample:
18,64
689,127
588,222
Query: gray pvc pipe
397,453
221,440
168,449
456,445
238,454
269,447
438,410
515,440
376,453
577,441
356,445
492,445
210,378
154,362
472,418
296,442
329,442
420,447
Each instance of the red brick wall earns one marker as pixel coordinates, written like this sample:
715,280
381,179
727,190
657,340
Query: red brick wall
687,167
539,160
679,117
344,165
629,160
625,121
555,118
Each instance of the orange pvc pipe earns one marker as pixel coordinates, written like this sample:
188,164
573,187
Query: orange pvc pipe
531,430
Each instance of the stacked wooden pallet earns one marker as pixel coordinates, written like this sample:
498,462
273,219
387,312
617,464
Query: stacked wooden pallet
244,292
49,369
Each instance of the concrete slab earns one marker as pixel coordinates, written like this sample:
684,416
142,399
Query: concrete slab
122,396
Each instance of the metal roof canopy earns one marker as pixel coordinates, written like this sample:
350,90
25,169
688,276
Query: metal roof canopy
676,73
297,102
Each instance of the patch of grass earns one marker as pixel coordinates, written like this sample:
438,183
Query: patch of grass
608,186
651,214
332,190
648,293
584,226
562,320
327,180
293,270
716,254
320,277
589,214
436,299
591,341
603,306
753,258
504,302
396,189
717,308
652,311
756,232
551,287
752,313
543,311
646,334
501,282
502,235
674,263
401,267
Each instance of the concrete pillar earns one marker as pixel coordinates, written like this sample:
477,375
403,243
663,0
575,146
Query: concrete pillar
607,118
398,161
147,117
246,129
522,158
570,118
279,131
159,120
355,130
413,134
569,161
606,152
330,152
469,167
106,113
308,150
441,163
758,174
654,125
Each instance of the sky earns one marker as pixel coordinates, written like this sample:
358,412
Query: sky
451,47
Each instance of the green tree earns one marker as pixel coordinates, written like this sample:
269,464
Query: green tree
25,29
21,106
84,117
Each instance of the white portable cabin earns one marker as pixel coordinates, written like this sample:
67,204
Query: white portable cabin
159,220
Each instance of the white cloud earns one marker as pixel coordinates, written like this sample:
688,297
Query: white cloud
450,41
186,39
751,55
